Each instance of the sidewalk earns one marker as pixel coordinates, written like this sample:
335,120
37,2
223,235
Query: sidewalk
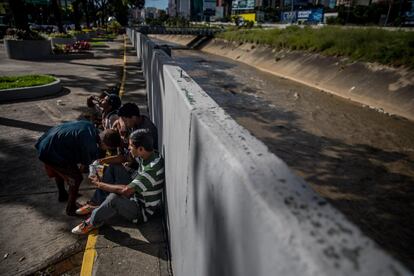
35,232
126,248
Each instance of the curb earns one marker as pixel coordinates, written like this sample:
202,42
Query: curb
90,254
31,92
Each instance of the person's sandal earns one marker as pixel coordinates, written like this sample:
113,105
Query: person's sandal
83,228
85,209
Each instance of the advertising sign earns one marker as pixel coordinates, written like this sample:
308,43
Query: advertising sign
313,16
288,17
248,16
219,12
243,4
209,5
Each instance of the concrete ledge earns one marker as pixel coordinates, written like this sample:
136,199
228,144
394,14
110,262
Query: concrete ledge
30,92
27,49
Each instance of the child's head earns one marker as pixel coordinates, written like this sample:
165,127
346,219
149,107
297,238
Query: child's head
129,114
141,143
110,102
110,139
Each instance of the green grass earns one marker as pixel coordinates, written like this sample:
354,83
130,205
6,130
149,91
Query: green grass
24,81
104,37
98,44
363,44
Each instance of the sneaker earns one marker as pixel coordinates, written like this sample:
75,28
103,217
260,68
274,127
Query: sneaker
85,209
84,228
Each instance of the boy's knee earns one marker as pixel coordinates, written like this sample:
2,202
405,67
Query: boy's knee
113,199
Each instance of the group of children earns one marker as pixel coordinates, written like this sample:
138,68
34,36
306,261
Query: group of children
123,145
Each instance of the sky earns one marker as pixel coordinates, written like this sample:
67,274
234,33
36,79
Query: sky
160,4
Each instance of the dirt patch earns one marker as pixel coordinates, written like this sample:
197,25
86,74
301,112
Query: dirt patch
68,267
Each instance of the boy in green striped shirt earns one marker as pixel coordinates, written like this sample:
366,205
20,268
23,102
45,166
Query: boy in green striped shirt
141,198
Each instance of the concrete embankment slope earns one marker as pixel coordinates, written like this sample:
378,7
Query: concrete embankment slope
387,89
234,208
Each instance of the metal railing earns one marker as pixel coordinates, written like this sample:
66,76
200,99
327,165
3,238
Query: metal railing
177,30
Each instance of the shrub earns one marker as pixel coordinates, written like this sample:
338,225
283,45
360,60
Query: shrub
81,46
19,34
114,27
248,24
78,46
75,33
59,49
60,35
368,44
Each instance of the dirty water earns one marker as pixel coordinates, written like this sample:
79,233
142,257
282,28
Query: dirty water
360,159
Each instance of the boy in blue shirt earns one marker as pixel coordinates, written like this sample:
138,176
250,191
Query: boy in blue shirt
65,146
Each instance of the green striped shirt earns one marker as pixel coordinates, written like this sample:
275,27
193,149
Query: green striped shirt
149,184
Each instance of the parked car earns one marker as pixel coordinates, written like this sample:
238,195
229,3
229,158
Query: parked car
43,28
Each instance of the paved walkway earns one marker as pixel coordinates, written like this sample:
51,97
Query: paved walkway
35,231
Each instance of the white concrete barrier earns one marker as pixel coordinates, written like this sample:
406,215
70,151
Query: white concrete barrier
234,208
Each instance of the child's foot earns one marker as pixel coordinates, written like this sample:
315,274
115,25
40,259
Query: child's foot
83,228
71,209
63,196
86,209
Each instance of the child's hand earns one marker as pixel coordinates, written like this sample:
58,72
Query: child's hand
94,180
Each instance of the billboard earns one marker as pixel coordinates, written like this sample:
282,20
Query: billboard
288,16
310,16
209,5
248,16
243,4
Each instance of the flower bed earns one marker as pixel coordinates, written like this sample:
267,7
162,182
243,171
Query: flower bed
22,44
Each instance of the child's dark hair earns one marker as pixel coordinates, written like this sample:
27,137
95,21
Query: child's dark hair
128,110
110,138
142,138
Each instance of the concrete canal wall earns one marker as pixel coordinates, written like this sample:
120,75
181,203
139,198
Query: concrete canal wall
234,208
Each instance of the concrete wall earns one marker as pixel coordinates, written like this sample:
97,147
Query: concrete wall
27,49
234,208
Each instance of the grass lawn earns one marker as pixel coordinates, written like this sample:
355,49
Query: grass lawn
98,44
24,81
105,37
364,44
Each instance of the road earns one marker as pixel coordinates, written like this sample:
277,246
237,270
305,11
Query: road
361,160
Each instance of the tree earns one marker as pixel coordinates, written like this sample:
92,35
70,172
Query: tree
76,14
102,10
85,8
17,8
57,14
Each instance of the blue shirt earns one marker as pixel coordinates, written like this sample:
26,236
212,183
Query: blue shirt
69,144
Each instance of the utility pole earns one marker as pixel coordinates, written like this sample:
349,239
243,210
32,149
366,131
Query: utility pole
388,14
